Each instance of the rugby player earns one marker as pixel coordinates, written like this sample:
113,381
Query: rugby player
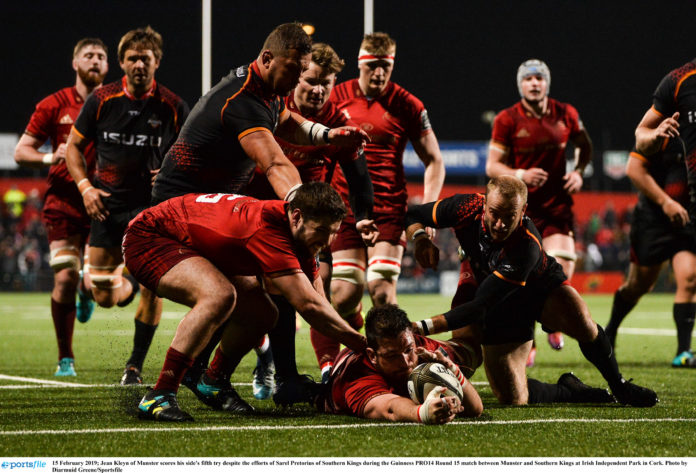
216,253
63,214
671,117
310,99
529,141
518,284
132,123
659,232
391,116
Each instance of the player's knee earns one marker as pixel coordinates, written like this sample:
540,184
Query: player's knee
688,284
221,304
106,282
380,295
348,270
65,283
65,257
383,267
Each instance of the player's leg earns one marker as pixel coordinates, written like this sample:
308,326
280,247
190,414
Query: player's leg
147,318
65,262
383,269
566,311
324,348
196,283
85,301
640,281
684,265
505,369
562,247
105,269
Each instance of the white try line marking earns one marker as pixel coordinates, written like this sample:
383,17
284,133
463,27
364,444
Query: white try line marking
36,383
255,428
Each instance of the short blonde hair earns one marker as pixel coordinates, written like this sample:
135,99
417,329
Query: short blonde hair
380,44
509,187
325,57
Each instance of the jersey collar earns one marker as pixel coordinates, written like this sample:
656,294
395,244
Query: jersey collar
149,93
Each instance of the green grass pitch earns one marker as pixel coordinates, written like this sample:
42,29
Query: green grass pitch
98,418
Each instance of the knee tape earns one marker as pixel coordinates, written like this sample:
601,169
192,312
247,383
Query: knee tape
349,270
563,254
108,277
383,267
65,257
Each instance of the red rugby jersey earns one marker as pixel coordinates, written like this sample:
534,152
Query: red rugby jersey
53,118
539,142
391,119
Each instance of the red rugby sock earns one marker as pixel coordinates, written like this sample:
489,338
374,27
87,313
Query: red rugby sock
175,365
64,322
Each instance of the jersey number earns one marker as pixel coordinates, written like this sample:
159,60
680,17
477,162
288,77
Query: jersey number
215,198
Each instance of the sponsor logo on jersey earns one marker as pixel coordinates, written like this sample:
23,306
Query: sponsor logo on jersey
154,121
523,133
130,139
66,120
133,113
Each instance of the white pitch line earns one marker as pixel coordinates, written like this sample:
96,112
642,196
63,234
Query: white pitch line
43,381
228,428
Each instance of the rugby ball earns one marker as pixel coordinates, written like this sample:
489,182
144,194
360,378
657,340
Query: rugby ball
428,376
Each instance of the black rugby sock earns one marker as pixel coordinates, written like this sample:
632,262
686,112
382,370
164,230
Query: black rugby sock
620,308
684,319
600,353
282,338
544,392
141,344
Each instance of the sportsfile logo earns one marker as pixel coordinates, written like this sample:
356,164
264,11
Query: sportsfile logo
26,464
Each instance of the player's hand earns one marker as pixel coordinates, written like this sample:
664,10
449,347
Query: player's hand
348,136
573,182
431,232
94,205
535,177
368,231
427,356
426,253
675,212
59,154
668,128
153,176
439,410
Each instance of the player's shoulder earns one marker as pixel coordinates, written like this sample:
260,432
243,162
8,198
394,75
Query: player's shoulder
529,234
561,108
399,96
331,116
107,91
345,91
679,73
168,96
58,99
510,113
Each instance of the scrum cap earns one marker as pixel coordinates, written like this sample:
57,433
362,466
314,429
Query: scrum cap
532,67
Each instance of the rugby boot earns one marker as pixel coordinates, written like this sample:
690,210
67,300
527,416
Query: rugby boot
631,394
131,376
296,389
66,367
264,376
685,359
85,304
162,405
221,396
581,392
556,340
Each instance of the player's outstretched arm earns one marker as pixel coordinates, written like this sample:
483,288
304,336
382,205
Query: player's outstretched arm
317,311
653,130
27,153
435,410
294,128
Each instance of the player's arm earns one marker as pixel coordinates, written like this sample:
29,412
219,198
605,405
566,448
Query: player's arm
27,153
654,130
361,196
75,161
497,165
263,149
434,410
583,156
493,289
637,171
294,128
317,311
428,151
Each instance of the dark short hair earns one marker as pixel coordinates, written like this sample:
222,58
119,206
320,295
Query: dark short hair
89,42
286,37
319,201
141,38
387,321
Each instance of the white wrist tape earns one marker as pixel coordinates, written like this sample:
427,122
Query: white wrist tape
87,189
417,233
47,158
519,173
317,133
291,193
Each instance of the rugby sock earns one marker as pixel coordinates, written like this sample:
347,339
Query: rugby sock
263,347
544,392
222,366
684,319
282,338
175,365
600,353
141,343
326,349
620,308
63,315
